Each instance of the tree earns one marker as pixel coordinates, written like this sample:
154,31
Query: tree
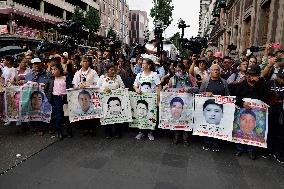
93,20
78,15
162,11
111,34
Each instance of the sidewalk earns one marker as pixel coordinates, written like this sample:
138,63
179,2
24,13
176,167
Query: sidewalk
17,146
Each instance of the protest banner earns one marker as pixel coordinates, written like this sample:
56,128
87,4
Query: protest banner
34,105
251,126
176,110
144,110
214,116
116,107
12,101
2,98
83,104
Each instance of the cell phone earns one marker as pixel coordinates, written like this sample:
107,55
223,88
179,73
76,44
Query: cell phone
279,60
275,45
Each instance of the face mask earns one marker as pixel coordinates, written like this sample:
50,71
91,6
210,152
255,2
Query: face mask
179,74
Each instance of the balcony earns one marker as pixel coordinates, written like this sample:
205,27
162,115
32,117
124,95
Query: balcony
216,12
222,3
34,14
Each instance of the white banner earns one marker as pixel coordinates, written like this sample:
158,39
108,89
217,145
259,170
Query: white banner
144,110
116,107
176,111
214,116
84,104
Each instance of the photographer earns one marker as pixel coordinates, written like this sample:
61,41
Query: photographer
271,69
138,65
198,69
123,70
240,75
226,66
103,59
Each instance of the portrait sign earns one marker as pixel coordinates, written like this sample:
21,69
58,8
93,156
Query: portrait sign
12,108
34,105
144,110
251,126
176,111
116,107
84,104
214,116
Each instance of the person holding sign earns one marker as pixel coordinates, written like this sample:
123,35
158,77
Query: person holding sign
253,87
181,80
147,82
106,83
85,77
214,85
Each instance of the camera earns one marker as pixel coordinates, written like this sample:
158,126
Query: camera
198,78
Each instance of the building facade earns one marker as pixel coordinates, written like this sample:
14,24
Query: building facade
31,20
246,23
138,29
114,14
203,14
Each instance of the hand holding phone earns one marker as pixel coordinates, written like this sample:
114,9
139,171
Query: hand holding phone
275,45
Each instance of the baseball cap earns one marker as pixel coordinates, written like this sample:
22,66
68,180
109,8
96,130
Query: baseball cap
253,69
35,60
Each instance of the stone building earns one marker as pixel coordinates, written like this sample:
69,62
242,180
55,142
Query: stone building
114,14
246,23
31,21
138,26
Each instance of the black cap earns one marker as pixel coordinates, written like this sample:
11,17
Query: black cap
253,69
281,72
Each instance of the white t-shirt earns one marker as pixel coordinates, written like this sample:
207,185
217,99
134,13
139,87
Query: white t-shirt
9,74
203,75
106,82
147,84
89,77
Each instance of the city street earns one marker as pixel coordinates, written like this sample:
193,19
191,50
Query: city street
94,162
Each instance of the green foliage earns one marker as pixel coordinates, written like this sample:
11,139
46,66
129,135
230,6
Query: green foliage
162,11
78,15
111,34
93,20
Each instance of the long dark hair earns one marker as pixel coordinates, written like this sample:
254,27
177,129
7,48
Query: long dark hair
58,66
152,65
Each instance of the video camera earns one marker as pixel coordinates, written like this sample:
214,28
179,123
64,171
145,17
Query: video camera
194,44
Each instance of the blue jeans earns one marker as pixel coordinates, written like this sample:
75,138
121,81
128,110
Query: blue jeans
244,147
58,102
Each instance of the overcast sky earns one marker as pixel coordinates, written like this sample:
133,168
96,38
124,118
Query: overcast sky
185,9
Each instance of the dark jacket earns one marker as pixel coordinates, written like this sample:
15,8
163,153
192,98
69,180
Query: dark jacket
41,77
259,91
205,83
50,89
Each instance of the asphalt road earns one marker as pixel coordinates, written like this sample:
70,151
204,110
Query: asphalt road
95,162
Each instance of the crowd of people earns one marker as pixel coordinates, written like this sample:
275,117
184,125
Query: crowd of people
210,74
